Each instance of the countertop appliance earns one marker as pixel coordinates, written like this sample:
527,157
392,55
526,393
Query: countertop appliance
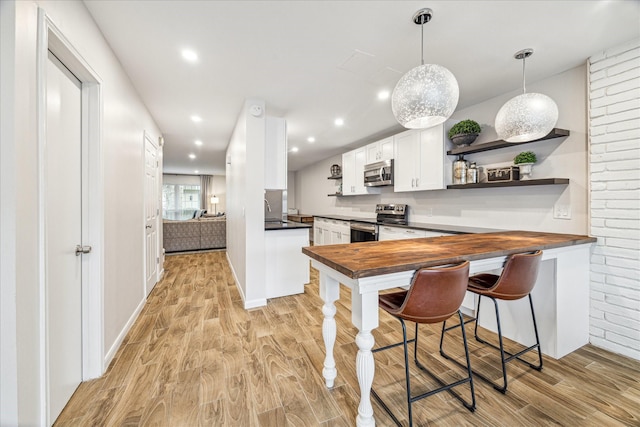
387,214
378,174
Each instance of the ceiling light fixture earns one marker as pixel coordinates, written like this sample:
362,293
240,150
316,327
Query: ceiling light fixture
189,55
426,95
198,142
383,94
528,116
196,171
196,119
192,156
338,121
311,139
294,149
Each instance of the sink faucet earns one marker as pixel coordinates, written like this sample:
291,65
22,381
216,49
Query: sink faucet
268,205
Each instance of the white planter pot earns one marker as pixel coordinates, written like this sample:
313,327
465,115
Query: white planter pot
525,171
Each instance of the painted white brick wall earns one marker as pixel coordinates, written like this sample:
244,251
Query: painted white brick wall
614,160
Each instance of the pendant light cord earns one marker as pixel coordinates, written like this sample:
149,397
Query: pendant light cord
524,82
422,40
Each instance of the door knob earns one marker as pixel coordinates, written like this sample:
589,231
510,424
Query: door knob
82,250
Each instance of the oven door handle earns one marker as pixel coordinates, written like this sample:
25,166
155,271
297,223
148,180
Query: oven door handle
364,228
381,173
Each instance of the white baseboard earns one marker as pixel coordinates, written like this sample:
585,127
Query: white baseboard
254,303
116,345
247,304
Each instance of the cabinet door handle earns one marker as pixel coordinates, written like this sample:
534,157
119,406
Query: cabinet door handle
417,181
413,182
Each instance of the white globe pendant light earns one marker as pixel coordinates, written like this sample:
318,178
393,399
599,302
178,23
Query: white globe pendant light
528,116
428,94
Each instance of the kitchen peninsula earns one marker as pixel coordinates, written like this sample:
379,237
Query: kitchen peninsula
287,269
561,294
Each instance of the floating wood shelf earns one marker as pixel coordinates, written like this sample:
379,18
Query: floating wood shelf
494,145
335,194
335,177
544,181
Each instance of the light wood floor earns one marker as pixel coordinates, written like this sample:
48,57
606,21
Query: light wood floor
196,357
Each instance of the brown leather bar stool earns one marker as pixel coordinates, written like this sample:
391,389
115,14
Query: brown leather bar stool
516,281
435,295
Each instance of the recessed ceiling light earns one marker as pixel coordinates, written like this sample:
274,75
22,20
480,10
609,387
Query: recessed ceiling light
189,55
338,121
196,119
294,149
311,139
196,171
192,156
383,94
198,142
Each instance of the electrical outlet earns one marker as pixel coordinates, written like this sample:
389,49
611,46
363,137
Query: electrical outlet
561,211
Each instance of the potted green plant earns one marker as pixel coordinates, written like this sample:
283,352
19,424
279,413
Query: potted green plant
464,132
525,161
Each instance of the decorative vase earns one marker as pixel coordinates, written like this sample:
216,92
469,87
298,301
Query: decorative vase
463,139
525,170
335,170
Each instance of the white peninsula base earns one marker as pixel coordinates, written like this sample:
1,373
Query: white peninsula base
287,268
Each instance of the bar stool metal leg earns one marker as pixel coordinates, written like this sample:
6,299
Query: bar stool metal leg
444,386
503,353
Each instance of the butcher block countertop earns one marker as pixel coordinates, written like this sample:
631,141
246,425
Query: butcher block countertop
366,259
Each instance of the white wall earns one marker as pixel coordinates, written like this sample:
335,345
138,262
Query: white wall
291,190
614,125
529,208
245,204
219,189
8,284
125,119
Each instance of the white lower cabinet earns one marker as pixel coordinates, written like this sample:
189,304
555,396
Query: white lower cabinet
330,231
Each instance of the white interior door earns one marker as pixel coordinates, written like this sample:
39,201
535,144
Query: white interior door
63,225
151,213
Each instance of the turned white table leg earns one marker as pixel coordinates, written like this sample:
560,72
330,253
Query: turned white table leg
329,292
365,369
364,316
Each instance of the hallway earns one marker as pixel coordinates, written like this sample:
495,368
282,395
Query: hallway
196,357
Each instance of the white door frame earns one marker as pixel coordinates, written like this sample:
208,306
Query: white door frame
146,137
51,38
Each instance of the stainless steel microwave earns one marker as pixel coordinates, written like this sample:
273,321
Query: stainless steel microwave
378,174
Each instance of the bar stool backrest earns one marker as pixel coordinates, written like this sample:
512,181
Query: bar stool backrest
435,294
518,276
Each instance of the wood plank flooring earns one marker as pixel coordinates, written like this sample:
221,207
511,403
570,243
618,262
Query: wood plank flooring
196,357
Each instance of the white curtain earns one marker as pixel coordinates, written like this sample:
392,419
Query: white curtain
206,189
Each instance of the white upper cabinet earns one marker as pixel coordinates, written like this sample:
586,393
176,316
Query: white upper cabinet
419,157
275,154
353,173
380,150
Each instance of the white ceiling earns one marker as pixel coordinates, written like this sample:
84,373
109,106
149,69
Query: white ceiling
313,61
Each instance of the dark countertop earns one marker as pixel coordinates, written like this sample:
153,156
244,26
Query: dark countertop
284,225
454,229
368,259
